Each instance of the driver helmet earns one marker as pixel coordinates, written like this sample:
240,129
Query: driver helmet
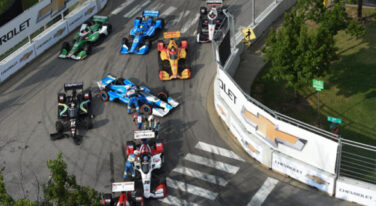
146,158
173,50
72,105
212,13
131,157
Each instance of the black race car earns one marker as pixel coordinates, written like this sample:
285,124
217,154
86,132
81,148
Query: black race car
74,111
212,19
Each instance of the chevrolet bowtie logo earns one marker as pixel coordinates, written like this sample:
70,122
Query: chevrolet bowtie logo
51,9
271,133
59,32
89,10
317,179
26,56
221,110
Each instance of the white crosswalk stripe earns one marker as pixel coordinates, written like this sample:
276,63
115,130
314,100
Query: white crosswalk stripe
185,187
168,11
122,6
217,150
212,163
188,25
172,200
200,175
136,9
263,192
174,21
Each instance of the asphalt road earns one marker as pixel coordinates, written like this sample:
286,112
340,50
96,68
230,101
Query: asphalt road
200,166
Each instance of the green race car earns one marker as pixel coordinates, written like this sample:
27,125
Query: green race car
91,33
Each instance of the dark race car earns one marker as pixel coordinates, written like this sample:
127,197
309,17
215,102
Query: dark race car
128,195
212,19
74,111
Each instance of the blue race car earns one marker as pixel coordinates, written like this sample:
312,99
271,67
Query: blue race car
145,29
139,97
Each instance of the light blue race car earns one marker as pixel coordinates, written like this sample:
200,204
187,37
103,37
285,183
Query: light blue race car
145,29
139,97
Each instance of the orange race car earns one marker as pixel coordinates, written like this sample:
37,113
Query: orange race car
171,58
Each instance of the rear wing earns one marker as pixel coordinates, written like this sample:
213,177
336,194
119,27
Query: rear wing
106,81
171,35
73,86
149,13
102,19
122,186
214,3
144,134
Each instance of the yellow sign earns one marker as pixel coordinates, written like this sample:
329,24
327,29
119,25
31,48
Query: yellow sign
170,35
248,34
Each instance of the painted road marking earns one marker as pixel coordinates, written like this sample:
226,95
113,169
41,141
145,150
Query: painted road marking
121,7
174,21
212,163
200,175
191,189
263,192
172,200
136,9
168,11
189,24
217,150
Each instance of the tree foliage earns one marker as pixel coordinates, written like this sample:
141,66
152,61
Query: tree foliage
297,52
61,189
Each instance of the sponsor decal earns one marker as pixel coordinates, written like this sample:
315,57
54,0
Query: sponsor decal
227,91
317,179
51,9
252,148
43,43
221,110
89,10
293,169
14,32
355,193
9,68
271,133
59,32
76,20
26,56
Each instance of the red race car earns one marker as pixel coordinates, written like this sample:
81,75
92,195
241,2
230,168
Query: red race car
128,195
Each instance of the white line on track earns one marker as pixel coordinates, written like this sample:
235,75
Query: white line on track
136,9
263,192
174,21
200,175
189,24
121,7
172,200
212,163
191,189
168,11
217,150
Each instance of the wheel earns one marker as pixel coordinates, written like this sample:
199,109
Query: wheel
166,65
88,23
146,109
89,123
203,10
59,127
104,95
87,48
77,140
66,46
87,95
109,28
61,97
162,95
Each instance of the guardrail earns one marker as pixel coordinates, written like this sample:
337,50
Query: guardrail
301,151
36,16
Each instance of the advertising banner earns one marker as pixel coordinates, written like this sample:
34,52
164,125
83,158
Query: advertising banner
80,15
49,37
293,141
17,60
222,111
356,191
303,172
29,21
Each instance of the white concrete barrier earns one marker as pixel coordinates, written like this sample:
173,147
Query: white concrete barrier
356,191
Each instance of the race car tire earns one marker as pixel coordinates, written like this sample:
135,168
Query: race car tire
87,95
203,10
109,28
88,23
87,48
162,95
89,123
77,140
166,66
146,109
104,95
61,97
66,46
59,127
107,196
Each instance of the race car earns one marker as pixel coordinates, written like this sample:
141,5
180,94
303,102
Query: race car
210,21
91,32
172,57
128,195
149,157
144,30
74,111
139,97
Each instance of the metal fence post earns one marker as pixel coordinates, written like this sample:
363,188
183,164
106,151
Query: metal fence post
339,156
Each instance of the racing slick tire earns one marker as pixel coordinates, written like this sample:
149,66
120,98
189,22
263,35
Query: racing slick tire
88,123
109,28
166,66
77,140
104,95
163,95
146,109
107,199
59,127
66,46
61,97
203,10
87,48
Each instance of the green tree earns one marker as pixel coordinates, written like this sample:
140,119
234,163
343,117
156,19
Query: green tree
299,53
7,200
